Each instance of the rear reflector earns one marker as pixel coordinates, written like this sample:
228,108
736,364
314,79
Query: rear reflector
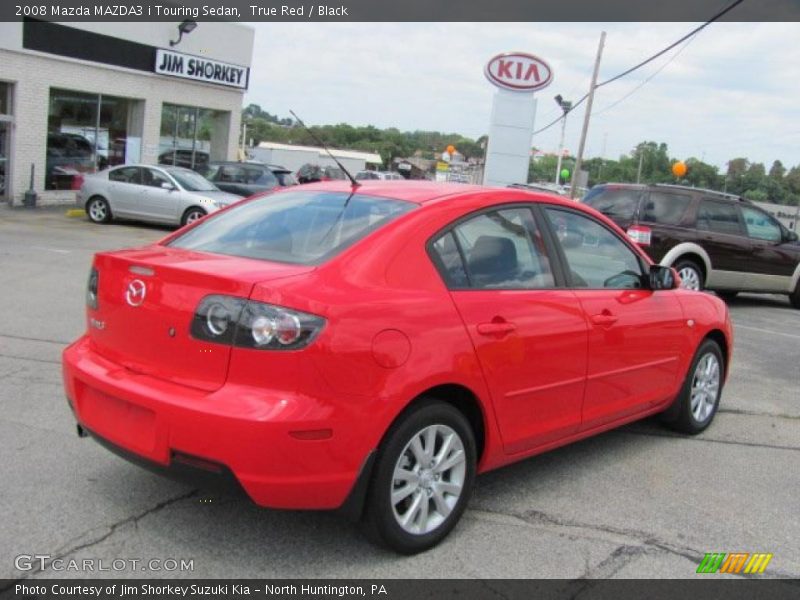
196,462
312,434
639,234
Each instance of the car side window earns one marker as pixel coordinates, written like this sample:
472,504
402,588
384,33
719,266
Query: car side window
760,225
260,176
596,258
153,178
126,175
501,249
719,217
232,175
664,208
615,203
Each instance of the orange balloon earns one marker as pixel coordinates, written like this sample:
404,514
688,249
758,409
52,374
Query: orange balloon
679,169
451,149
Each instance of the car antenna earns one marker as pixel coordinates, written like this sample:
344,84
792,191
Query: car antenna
324,147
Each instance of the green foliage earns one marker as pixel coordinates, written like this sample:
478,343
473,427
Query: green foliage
742,177
389,143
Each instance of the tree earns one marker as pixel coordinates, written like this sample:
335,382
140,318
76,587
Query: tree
777,171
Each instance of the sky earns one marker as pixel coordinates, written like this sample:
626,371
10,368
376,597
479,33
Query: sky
732,91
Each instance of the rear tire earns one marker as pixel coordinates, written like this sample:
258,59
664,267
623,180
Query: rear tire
698,400
794,297
422,480
98,210
191,215
691,274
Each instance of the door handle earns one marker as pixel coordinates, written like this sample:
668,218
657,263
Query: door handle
499,328
604,319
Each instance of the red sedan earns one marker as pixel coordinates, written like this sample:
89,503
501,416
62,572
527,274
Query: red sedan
373,348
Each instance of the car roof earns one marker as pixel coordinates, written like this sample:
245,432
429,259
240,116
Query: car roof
429,192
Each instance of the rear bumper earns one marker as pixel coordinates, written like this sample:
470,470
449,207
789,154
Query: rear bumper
267,441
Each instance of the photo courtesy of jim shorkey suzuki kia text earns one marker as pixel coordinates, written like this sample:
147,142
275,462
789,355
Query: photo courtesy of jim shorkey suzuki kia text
124,590
157,11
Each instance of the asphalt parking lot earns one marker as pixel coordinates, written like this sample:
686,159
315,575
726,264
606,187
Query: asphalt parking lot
638,502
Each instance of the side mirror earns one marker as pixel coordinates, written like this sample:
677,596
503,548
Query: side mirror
663,278
165,185
790,236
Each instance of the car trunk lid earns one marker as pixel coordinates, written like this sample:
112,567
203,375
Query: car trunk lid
147,299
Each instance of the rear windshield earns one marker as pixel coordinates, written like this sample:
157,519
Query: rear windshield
293,227
616,203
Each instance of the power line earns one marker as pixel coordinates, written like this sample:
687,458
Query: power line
646,81
695,31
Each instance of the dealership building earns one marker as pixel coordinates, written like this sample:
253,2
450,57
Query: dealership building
76,97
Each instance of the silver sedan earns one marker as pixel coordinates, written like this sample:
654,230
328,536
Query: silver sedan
170,195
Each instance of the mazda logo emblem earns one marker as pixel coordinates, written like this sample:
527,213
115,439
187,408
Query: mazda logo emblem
136,292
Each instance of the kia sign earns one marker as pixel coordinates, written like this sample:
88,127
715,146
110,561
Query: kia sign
518,72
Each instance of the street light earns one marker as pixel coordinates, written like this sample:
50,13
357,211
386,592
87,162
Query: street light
187,26
566,106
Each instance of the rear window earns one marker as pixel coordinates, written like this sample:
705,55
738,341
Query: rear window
293,227
665,209
615,203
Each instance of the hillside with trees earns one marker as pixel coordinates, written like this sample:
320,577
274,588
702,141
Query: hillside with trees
778,184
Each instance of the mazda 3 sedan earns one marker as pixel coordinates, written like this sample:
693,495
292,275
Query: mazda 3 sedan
167,195
374,348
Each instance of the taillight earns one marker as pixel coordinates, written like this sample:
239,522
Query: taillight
91,289
77,182
640,234
235,321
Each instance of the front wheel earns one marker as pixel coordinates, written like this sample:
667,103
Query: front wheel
691,275
698,400
423,478
192,214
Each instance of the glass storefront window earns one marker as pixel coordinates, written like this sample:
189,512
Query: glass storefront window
89,132
188,134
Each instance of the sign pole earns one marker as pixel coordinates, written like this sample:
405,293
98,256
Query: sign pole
582,146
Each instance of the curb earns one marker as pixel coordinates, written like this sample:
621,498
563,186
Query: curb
75,212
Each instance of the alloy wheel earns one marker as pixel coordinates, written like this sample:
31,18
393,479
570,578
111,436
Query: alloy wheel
98,210
705,387
690,278
428,479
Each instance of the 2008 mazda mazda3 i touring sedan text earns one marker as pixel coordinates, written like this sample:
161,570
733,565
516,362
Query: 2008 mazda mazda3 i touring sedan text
373,348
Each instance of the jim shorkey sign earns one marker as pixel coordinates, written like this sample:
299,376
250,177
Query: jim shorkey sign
517,76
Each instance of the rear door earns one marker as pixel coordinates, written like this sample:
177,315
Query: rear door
528,333
722,235
636,336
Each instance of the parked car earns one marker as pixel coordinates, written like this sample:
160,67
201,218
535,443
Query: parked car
69,157
552,188
247,178
311,173
170,195
378,175
715,241
183,158
374,349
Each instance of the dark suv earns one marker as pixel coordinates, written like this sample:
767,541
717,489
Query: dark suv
715,241
247,178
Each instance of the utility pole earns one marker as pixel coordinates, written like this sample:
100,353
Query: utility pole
639,171
566,106
579,159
